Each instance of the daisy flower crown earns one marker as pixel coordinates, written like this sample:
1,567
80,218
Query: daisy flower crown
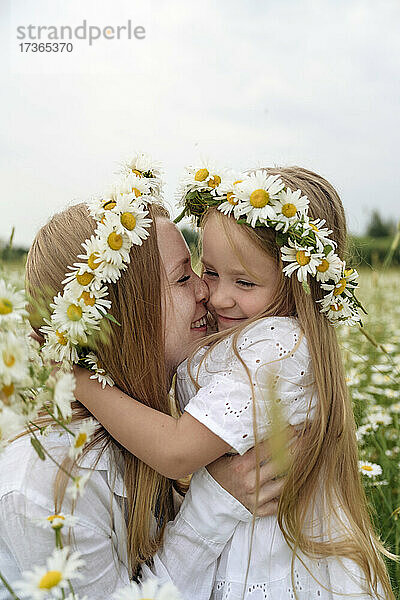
121,221
261,200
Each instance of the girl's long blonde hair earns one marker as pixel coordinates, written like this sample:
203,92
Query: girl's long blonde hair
133,354
325,464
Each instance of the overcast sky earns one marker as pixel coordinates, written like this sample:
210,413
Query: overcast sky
249,83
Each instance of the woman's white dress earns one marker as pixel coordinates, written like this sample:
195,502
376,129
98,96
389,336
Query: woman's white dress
276,354
193,541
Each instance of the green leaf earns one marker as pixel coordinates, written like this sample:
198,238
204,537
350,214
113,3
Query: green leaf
112,319
280,239
327,249
306,287
38,448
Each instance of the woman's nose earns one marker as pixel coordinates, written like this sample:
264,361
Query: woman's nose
201,290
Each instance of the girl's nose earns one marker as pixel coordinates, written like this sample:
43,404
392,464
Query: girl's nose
220,297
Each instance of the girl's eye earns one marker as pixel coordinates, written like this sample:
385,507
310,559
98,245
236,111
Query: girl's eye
210,273
183,279
246,283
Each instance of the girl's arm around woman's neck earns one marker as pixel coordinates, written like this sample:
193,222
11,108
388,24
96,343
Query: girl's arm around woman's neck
173,447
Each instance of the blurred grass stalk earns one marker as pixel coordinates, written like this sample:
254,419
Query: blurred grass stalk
393,247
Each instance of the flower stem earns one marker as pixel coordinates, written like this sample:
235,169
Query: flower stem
60,423
49,455
180,217
8,587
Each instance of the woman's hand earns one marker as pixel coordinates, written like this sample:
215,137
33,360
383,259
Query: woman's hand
237,475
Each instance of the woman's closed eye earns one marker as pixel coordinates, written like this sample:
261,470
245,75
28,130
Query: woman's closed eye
248,284
184,279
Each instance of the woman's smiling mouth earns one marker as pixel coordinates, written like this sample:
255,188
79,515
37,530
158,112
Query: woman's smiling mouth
200,323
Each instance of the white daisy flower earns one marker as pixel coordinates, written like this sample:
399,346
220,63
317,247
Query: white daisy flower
114,246
301,259
110,272
81,278
289,206
93,259
73,316
379,417
57,521
95,300
321,233
99,203
143,166
137,189
330,267
12,303
8,393
77,487
11,423
369,469
58,346
256,194
13,358
82,437
131,221
345,285
60,568
362,431
228,188
150,589
395,408
336,308
204,176
63,394
99,372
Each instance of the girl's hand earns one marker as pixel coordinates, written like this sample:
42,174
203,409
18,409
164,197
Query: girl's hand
237,475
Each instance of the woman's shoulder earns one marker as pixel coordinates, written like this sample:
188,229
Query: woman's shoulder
24,472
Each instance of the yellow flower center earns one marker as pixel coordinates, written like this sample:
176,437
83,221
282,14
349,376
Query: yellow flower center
61,338
340,287
214,181
74,312
87,298
201,175
5,306
137,192
8,390
9,359
136,172
84,278
51,518
323,266
50,580
80,440
313,227
93,261
289,210
366,468
114,241
128,220
259,198
231,199
109,205
336,307
302,258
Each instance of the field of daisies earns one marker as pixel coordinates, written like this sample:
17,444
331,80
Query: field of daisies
372,360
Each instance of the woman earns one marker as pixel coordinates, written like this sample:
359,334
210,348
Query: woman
159,308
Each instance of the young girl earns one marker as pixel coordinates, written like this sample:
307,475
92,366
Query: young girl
273,244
